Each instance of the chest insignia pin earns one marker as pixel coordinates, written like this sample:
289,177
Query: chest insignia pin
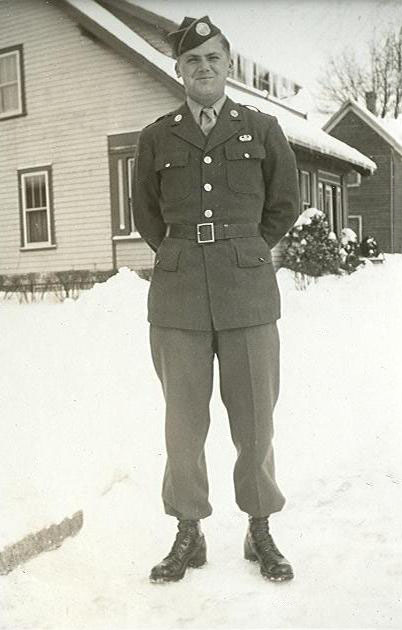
245,137
178,118
234,113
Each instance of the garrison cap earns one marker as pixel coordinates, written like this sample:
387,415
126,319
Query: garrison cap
191,33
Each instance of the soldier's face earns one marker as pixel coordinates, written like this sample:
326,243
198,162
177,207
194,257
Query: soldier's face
204,71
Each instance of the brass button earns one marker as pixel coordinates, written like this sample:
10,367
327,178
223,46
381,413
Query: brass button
208,213
208,187
167,164
246,155
261,259
207,159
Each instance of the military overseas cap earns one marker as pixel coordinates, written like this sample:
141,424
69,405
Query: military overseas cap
192,33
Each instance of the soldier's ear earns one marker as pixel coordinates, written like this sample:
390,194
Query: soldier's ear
177,69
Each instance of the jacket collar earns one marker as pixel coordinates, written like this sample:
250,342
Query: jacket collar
183,125
229,122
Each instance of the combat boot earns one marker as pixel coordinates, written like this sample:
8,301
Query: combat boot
260,547
189,550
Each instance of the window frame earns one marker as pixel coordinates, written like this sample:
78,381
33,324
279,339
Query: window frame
23,174
330,187
19,52
304,204
353,183
359,219
122,149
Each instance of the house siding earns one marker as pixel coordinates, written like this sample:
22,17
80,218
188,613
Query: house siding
372,199
397,201
78,92
133,253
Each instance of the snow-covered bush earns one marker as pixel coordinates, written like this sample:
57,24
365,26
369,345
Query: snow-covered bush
369,247
311,249
349,251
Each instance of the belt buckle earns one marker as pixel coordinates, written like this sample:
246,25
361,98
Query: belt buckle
199,236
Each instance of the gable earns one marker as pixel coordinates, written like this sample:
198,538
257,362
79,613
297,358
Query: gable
358,134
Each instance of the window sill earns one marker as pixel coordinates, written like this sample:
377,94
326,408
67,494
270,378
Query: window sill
134,236
35,248
9,116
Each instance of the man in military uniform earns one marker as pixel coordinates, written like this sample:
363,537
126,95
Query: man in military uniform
215,188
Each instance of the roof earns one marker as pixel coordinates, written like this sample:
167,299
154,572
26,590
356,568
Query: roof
299,131
389,129
152,27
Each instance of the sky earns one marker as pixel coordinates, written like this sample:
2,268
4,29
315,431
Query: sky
293,37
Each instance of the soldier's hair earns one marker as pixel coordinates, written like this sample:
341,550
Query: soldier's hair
225,43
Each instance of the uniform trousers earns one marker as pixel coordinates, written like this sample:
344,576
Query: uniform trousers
249,385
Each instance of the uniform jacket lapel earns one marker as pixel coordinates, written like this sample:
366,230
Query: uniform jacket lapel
230,121
184,126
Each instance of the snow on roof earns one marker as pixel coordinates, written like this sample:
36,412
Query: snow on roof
388,128
393,126
304,133
298,130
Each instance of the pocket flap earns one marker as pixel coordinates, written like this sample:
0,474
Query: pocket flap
168,254
244,151
171,160
252,252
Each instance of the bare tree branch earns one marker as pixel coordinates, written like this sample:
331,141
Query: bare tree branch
344,77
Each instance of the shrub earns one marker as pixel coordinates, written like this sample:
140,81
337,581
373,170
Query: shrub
311,249
369,247
349,251
31,287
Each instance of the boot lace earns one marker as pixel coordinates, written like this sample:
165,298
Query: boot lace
187,532
261,535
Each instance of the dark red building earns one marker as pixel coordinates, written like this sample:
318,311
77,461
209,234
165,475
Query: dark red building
375,203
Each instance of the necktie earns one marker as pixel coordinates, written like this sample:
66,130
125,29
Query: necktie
207,119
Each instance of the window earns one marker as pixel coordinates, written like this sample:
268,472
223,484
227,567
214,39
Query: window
305,189
355,222
321,204
330,202
11,82
238,70
121,162
36,208
353,179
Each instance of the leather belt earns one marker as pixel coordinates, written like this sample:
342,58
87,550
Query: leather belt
211,232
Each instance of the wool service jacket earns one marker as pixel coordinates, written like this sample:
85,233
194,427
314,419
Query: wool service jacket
243,172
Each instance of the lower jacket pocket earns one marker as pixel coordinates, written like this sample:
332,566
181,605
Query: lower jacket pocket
168,255
252,252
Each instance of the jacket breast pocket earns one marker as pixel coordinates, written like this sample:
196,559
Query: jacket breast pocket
252,252
243,167
168,254
175,175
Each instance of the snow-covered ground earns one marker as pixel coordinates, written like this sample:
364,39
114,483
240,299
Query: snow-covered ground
82,428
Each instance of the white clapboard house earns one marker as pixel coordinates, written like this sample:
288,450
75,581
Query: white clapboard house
79,79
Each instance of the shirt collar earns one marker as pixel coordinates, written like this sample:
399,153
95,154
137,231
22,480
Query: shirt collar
196,108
